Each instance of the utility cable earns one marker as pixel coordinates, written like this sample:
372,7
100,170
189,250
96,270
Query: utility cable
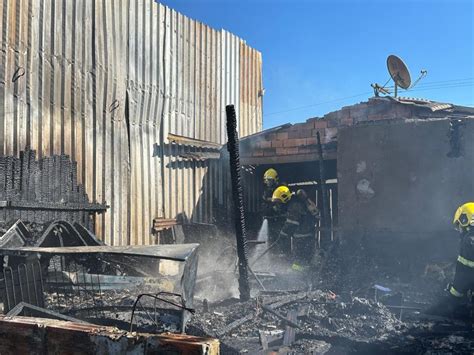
454,83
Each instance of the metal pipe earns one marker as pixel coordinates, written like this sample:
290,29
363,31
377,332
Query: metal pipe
240,234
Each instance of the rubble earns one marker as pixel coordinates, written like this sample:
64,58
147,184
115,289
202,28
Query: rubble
357,326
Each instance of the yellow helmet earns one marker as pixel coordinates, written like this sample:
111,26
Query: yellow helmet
270,176
464,217
281,194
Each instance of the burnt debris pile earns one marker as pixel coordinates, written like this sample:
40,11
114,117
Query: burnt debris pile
325,323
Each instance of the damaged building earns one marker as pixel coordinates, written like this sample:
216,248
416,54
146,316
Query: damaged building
134,93
388,165
112,118
120,168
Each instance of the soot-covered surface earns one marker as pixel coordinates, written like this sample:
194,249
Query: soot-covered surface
340,311
332,325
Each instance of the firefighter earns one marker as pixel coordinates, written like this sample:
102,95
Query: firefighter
463,284
270,211
298,228
270,182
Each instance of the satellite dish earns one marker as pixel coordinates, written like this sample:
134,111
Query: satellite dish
399,74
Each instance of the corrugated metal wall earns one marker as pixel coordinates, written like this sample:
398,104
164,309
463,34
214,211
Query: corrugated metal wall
106,82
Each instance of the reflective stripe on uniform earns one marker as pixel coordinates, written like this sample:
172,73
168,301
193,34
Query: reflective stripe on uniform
296,223
284,234
455,292
303,235
466,262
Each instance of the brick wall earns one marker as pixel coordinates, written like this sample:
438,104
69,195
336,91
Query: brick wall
300,138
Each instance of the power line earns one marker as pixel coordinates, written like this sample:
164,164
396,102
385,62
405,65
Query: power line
319,103
465,85
434,85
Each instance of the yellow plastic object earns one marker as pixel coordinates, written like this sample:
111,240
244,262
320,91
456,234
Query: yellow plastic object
281,194
269,176
297,267
464,216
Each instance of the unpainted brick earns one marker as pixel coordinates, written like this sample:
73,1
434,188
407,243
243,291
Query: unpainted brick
348,121
257,153
344,113
269,152
294,134
322,132
282,136
264,144
375,117
297,127
277,144
333,122
306,150
286,151
294,142
302,133
320,124
311,141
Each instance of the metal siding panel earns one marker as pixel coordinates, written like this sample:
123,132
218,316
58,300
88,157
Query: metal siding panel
99,87
80,58
166,112
33,74
9,63
3,73
148,126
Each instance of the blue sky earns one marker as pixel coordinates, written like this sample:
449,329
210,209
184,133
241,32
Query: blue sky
321,55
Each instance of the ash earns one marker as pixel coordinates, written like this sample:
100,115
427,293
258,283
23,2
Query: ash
362,309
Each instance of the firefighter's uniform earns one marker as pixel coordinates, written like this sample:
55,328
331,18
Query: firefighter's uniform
297,233
464,277
270,182
455,303
269,209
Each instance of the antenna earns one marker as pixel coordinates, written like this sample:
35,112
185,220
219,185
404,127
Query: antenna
400,75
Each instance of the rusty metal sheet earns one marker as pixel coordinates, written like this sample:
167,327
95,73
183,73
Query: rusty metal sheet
175,252
28,335
106,82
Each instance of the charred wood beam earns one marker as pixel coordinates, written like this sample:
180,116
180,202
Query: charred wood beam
325,213
24,205
239,218
275,305
231,326
285,320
